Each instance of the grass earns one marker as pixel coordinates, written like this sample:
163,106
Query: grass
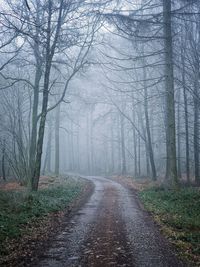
179,215
19,208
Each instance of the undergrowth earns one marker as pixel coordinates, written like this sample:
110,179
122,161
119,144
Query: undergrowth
19,208
179,214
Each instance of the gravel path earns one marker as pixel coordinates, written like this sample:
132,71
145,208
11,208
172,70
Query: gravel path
110,230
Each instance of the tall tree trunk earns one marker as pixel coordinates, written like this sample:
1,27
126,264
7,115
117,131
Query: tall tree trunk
139,156
3,161
57,141
112,148
72,145
123,170
149,147
106,158
147,160
47,161
49,53
70,167
149,143
187,149
196,133
91,142
88,145
33,141
78,149
38,75
134,142
135,153
49,148
119,145
179,135
171,174
37,165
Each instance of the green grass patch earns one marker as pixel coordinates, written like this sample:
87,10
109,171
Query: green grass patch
179,214
19,208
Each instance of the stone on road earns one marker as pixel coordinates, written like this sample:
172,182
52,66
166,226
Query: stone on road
110,230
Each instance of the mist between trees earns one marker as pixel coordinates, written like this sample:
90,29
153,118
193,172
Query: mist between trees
101,88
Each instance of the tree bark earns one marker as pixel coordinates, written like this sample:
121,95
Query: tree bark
88,145
187,149
123,170
47,162
171,174
112,148
57,141
196,134
134,143
49,149
3,161
33,141
37,165
149,142
38,75
139,156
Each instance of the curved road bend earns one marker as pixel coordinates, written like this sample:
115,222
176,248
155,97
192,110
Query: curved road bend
110,230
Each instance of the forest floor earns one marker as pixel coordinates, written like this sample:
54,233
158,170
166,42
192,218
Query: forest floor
177,213
98,223
29,221
111,229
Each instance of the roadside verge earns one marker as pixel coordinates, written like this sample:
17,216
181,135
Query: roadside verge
28,222
176,213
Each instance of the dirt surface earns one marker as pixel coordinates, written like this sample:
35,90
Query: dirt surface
111,229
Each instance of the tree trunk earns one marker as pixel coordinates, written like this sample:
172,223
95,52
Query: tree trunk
178,136
91,142
171,174
49,149
149,143
88,145
112,149
37,165
139,156
57,141
187,149
47,162
134,143
147,161
78,149
135,153
38,75
49,53
33,141
72,145
123,170
3,161
196,134
119,145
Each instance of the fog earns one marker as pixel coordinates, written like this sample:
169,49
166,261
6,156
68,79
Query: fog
99,88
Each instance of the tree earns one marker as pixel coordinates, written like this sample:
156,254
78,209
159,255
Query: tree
171,172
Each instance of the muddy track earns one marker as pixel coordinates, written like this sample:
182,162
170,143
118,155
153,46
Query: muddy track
107,244
111,229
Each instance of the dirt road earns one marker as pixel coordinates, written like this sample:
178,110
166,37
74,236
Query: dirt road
110,230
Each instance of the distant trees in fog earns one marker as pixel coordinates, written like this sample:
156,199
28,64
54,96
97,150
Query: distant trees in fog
103,87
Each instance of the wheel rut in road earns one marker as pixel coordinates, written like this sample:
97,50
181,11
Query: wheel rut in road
111,229
107,244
